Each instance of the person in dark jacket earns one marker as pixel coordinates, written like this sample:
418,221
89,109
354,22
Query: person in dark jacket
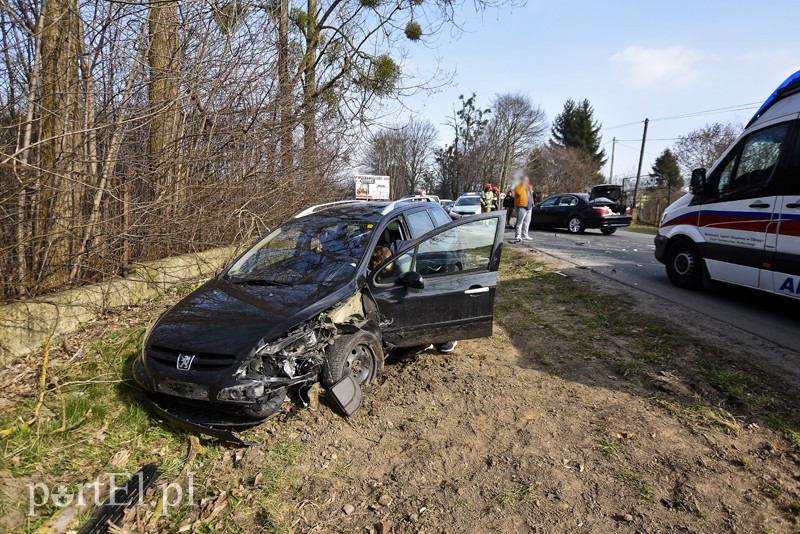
508,204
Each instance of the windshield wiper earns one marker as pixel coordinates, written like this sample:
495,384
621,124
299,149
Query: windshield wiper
261,282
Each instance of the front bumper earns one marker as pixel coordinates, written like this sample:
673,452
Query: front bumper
211,422
661,247
215,387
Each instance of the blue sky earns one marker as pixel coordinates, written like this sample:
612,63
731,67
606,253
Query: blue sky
631,59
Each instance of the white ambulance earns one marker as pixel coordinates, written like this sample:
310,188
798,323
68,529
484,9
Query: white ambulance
741,222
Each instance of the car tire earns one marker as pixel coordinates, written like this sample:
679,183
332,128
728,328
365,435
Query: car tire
267,407
608,230
575,225
360,354
685,265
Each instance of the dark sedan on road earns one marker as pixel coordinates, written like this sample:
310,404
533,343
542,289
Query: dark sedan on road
578,212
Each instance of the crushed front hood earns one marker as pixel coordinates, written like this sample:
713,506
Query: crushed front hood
226,318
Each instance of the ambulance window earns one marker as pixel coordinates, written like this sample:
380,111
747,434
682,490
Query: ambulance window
759,156
725,183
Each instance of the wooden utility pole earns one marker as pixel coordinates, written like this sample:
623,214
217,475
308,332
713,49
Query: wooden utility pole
611,170
639,171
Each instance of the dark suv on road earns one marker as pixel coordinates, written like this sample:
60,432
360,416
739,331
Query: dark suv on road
303,305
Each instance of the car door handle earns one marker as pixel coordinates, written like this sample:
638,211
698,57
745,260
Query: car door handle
760,205
793,205
476,290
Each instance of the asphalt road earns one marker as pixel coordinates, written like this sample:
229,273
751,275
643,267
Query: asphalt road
627,257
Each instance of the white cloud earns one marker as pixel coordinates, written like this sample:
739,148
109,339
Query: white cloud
675,65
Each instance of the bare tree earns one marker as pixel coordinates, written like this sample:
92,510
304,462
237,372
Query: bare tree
556,169
131,131
702,147
404,153
516,127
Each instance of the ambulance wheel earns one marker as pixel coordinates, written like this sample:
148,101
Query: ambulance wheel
360,355
685,265
608,230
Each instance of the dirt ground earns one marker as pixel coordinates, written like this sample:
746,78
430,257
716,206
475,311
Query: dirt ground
581,414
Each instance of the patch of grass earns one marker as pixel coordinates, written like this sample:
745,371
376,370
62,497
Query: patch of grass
92,413
636,483
630,367
516,493
737,385
703,415
794,510
789,430
608,447
463,503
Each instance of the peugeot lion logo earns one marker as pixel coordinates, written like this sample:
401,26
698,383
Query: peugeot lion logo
184,362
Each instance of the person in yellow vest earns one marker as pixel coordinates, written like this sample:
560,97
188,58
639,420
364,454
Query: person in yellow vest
523,200
487,199
496,203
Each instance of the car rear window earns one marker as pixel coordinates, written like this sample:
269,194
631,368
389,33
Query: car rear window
419,222
468,201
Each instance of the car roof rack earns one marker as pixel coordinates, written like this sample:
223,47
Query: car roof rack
312,209
392,205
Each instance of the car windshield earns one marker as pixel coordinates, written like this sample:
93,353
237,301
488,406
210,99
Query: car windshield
313,249
468,201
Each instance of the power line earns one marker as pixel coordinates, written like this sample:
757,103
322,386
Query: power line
649,139
727,109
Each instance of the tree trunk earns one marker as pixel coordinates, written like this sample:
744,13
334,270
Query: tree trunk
22,223
164,98
286,123
309,96
60,140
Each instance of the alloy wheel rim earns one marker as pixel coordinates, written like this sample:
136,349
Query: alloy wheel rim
574,225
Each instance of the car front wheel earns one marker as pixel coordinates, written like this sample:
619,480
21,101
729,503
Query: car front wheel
685,265
608,230
359,355
575,226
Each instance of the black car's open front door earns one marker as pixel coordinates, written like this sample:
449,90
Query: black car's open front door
441,286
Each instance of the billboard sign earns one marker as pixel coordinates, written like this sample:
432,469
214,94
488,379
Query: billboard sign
370,187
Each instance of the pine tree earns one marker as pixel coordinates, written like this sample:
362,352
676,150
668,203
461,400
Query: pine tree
666,166
576,127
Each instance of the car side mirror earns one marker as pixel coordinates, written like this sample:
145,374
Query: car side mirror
412,280
699,181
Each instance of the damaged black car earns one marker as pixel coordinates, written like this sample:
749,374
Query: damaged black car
310,303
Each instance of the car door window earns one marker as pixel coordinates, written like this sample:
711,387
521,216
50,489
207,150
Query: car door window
419,222
568,201
549,202
464,248
440,217
756,161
